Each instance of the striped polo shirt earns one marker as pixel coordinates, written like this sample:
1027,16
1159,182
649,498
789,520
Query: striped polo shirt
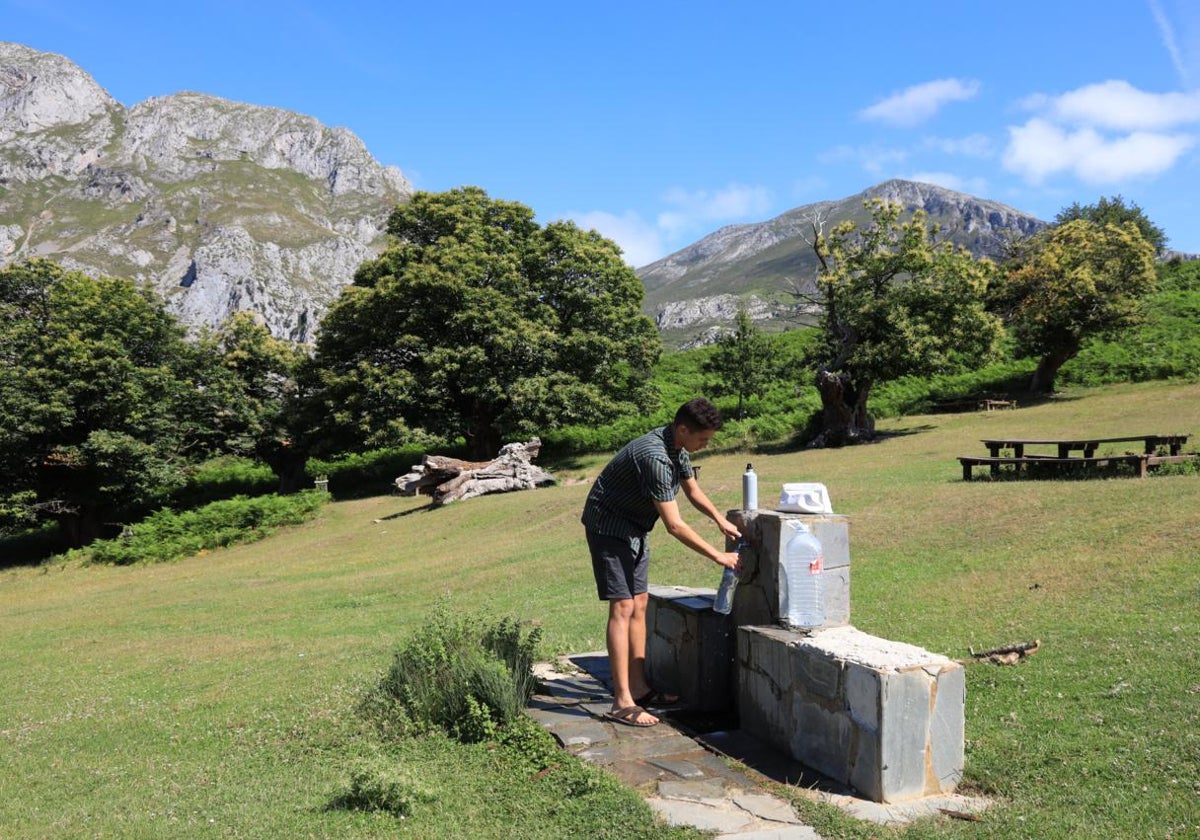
649,468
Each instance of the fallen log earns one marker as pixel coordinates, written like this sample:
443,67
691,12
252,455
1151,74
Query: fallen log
1006,654
451,479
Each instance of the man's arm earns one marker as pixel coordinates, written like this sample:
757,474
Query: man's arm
701,502
680,530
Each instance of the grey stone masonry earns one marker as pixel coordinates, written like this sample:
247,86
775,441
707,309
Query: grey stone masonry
884,717
689,648
758,597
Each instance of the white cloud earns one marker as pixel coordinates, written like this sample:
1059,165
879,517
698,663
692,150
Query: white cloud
1118,105
950,181
1040,148
973,145
690,213
694,208
1170,43
873,159
918,103
640,241
1103,133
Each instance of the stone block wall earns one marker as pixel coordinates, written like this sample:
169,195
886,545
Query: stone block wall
758,597
885,717
689,648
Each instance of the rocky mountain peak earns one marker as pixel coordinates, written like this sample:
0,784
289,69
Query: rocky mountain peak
39,91
759,265
217,205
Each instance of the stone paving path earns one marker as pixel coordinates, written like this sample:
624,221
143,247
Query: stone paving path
681,773
680,779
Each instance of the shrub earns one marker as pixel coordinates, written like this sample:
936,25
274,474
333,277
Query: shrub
168,535
225,478
467,676
378,785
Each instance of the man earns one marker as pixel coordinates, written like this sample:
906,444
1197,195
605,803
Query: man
635,490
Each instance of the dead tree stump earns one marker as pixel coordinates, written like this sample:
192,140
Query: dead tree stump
450,479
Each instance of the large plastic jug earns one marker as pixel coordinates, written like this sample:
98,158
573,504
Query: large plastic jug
803,562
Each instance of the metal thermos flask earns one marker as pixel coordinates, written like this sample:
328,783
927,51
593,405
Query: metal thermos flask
749,489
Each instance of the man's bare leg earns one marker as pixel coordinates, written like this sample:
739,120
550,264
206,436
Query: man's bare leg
638,687
621,650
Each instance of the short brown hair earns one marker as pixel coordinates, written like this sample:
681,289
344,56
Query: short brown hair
699,414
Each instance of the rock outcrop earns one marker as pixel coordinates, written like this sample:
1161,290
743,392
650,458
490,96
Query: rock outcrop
217,205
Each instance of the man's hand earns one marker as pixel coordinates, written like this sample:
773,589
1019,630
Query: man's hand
728,528
730,559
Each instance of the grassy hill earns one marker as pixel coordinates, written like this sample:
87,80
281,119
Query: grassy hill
215,696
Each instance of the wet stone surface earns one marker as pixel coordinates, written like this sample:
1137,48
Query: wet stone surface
679,768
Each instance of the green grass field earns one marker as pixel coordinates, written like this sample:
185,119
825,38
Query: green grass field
215,696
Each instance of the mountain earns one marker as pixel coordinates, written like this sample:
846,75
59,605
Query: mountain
217,205
693,291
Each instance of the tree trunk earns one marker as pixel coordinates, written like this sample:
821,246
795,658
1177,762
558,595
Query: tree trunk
79,528
844,416
288,464
1047,369
483,440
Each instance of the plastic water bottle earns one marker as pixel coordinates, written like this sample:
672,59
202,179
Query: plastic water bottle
803,563
749,489
724,602
729,581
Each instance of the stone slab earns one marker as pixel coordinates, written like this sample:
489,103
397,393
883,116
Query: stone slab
788,832
643,748
884,717
702,816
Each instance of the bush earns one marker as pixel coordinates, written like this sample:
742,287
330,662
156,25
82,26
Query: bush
225,478
375,472
467,676
377,785
167,535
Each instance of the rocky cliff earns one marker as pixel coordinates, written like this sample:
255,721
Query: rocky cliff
217,205
690,291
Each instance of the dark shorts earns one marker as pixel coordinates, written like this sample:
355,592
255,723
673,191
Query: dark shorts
621,565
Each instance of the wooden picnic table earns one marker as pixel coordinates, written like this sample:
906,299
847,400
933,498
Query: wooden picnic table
1150,455
1087,446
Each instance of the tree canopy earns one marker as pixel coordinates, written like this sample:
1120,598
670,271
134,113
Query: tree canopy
1079,280
259,397
894,303
478,323
99,409
1115,211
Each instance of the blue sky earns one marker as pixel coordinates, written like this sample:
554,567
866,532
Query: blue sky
659,122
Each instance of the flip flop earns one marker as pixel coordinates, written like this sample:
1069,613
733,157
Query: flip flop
628,716
657,698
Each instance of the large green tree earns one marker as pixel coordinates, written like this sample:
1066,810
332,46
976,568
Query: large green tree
1076,281
742,362
478,323
98,409
1116,211
893,303
259,414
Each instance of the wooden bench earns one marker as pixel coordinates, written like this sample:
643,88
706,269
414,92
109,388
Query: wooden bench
972,404
1143,461
995,462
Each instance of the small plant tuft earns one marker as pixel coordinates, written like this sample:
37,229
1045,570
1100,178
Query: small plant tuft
378,785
